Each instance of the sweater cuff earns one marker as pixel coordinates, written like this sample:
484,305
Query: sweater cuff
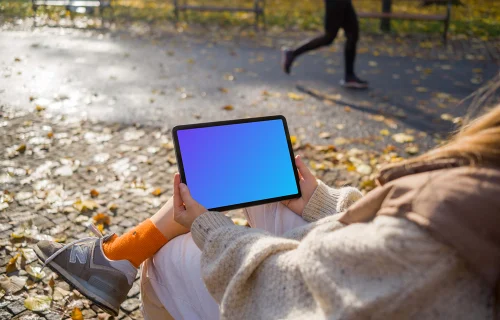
207,223
327,201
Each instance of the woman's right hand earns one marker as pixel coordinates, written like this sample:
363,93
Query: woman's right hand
308,184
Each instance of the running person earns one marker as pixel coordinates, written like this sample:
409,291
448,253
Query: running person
338,14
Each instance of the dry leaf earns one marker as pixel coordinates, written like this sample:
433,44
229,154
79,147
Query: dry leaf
85,205
113,207
384,132
50,135
240,222
372,63
12,264
223,90
228,77
52,283
157,192
21,148
12,284
412,150
39,108
102,218
403,137
293,139
347,109
364,169
94,193
100,227
325,135
295,96
421,89
38,303
36,272
228,107
76,314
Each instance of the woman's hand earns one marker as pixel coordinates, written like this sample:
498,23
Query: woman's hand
308,184
186,209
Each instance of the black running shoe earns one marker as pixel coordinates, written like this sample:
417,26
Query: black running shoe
287,58
354,82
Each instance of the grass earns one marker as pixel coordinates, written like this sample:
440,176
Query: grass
477,18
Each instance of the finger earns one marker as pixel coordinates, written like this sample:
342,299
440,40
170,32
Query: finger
177,194
186,195
303,169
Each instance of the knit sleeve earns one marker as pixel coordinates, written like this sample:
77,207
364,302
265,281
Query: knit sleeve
351,272
326,201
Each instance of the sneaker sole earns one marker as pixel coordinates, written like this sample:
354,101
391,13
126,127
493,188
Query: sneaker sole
353,85
78,285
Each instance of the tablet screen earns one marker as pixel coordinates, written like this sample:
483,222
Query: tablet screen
238,164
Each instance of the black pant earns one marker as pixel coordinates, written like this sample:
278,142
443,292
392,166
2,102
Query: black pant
339,14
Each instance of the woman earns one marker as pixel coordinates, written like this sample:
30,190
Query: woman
338,14
423,245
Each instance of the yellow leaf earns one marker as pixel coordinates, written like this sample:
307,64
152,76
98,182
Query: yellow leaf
39,108
384,132
190,61
113,207
295,96
12,264
325,135
86,205
293,139
364,169
228,77
76,314
412,150
421,89
21,148
340,141
100,227
240,222
228,107
38,303
36,272
223,90
102,218
447,117
50,135
157,192
403,137
94,193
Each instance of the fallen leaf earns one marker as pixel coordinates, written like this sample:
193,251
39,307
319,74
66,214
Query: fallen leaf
228,107
100,227
157,192
364,169
412,150
102,218
113,207
85,205
50,135
295,96
421,89
325,135
12,264
94,193
347,109
293,139
2,293
35,272
21,148
223,90
39,108
52,283
447,117
76,314
38,303
384,132
402,137
228,77
12,284
340,126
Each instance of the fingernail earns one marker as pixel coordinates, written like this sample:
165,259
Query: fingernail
182,186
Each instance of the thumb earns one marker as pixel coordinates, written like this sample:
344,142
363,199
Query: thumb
303,169
186,195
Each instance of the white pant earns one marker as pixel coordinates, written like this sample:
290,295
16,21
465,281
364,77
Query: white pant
171,279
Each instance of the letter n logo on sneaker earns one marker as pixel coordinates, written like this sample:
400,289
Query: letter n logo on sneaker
79,253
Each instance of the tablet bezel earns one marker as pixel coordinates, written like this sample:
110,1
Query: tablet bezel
230,122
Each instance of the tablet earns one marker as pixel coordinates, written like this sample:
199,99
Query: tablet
239,163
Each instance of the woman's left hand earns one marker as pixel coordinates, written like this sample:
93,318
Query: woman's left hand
186,209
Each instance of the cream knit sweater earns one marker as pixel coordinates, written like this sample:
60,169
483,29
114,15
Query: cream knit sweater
386,269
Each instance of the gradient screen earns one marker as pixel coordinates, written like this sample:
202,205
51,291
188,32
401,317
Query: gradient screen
237,163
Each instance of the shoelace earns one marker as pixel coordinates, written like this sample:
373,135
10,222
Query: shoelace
92,228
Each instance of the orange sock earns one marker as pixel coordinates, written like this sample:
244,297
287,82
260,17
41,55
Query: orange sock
136,245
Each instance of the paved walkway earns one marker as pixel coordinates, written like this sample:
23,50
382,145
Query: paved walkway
85,122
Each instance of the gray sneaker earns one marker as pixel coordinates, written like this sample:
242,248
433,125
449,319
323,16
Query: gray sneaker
84,266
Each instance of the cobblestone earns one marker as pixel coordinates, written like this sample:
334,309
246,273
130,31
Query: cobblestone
16,307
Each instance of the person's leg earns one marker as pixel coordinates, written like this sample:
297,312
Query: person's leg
351,30
275,218
333,20
174,274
